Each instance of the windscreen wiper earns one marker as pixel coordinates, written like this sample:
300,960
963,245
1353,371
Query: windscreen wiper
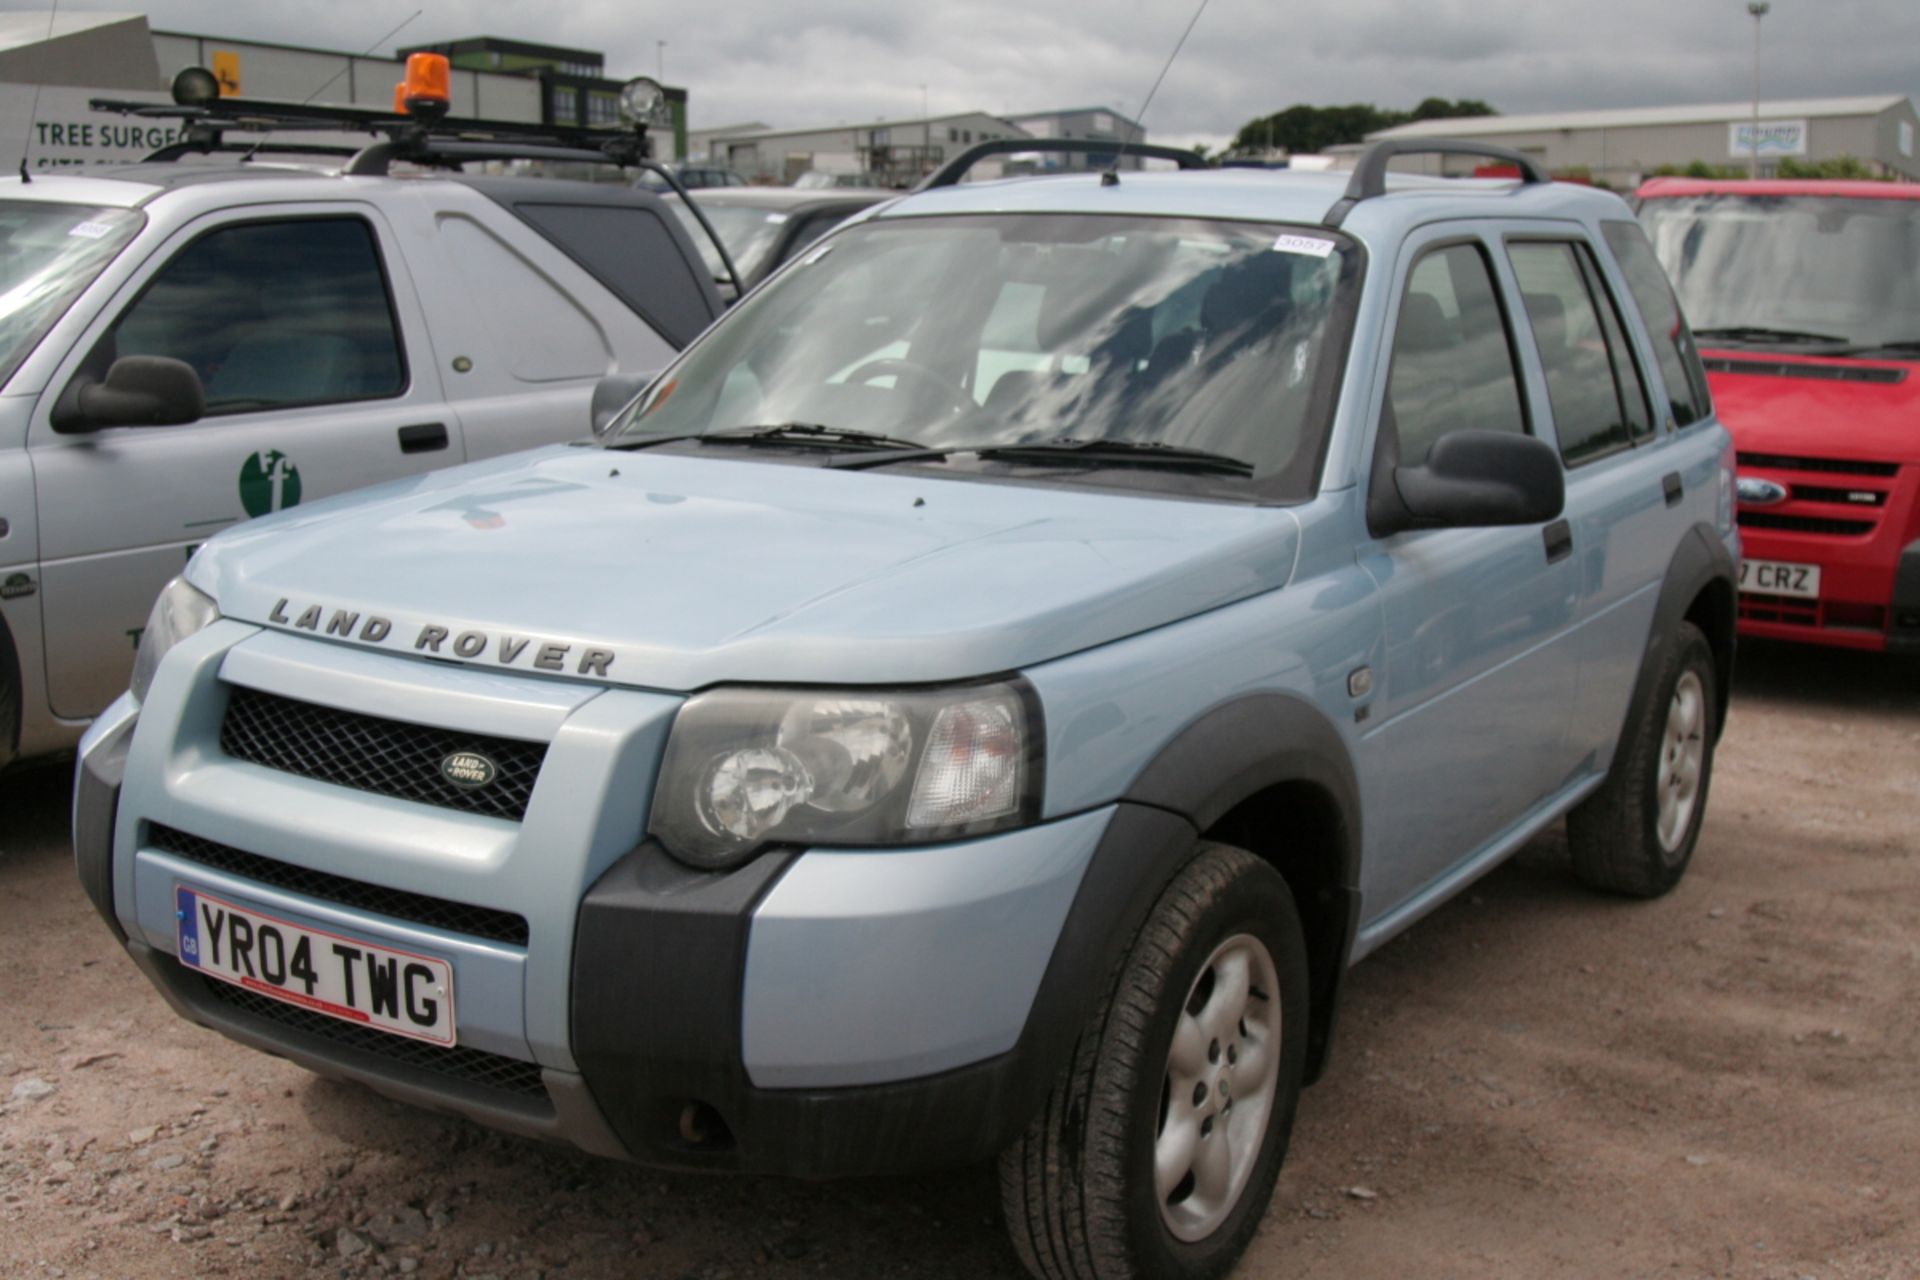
1898,344
1762,333
1124,453
805,434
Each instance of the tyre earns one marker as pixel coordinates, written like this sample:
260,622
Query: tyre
1635,835
1158,1148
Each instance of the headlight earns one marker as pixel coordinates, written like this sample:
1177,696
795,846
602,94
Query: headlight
746,768
180,611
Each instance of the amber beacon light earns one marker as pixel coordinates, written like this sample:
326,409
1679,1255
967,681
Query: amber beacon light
424,92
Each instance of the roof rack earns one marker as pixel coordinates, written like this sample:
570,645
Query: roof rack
1370,174
423,136
950,173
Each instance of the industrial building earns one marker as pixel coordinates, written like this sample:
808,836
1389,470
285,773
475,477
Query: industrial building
67,59
1620,147
886,152
1094,124
896,152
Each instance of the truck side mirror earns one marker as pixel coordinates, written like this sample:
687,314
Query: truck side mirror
1472,479
138,391
612,394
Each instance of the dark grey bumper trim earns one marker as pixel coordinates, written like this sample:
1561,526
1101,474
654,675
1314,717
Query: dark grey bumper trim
569,1116
96,804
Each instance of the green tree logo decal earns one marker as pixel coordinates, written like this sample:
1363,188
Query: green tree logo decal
268,482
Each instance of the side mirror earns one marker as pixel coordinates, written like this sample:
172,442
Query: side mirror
139,391
614,393
1472,479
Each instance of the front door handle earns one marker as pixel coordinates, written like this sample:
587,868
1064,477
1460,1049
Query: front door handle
1670,486
1559,539
423,437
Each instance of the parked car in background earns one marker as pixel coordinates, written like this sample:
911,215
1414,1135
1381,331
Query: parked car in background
187,344
694,177
980,699
821,180
1805,297
763,227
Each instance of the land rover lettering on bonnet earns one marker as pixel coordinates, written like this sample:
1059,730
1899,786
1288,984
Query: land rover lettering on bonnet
501,649
1063,624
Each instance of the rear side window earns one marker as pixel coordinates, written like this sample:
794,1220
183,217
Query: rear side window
273,314
1680,366
1453,367
634,254
1598,402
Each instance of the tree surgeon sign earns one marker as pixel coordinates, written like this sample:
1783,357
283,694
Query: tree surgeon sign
268,482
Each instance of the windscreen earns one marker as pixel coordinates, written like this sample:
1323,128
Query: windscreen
1819,272
748,232
982,331
48,254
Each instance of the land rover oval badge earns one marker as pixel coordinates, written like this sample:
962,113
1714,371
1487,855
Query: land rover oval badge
468,769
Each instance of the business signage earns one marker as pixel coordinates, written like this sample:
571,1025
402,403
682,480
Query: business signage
1776,138
61,131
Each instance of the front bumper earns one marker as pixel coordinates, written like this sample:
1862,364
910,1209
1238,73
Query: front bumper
817,1013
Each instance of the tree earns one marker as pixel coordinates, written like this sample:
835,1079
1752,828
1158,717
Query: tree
1304,130
1441,109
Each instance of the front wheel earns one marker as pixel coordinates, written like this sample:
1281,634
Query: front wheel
1635,835
1159,1146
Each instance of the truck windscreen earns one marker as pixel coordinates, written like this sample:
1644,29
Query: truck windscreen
1818,273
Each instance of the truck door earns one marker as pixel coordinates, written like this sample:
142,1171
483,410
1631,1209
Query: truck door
1469,730
302,323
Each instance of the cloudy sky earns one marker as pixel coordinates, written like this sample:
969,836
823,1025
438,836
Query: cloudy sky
804,62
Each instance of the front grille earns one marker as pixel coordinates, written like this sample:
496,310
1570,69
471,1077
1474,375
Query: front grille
1787,609
1843,497
1834,466
415,908
1817,372
476,1068
1804,524
367,753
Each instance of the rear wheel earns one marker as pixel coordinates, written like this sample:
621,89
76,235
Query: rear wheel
1636,834
1159,1146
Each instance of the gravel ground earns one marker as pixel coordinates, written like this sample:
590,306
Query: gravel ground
1533,1082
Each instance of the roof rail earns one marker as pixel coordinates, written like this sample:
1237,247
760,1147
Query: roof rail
1370,174
950,173
209,121
431,140
193,145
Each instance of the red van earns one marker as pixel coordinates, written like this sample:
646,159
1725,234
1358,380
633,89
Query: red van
1805,301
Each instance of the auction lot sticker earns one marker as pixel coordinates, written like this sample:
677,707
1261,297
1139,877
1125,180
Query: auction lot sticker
395,991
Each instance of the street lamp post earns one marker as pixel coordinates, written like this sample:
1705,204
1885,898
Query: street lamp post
660,59
1758,8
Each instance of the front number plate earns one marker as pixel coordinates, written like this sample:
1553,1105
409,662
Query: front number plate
1774,578
397,991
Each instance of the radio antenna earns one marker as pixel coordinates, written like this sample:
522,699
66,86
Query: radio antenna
336,75
1111,178
33,112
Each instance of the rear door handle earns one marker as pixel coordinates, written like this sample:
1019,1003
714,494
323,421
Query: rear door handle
423,437
1671,486
1559,539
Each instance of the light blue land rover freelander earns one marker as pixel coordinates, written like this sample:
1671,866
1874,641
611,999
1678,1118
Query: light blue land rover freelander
979,699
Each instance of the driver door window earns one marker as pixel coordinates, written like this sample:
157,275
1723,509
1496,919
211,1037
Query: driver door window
272,315
1453,367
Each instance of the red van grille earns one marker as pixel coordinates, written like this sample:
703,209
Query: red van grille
1805,524
1837,466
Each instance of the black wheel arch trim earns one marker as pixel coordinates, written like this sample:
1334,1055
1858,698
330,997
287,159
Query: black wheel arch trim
1699,563
11,676
1231,754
